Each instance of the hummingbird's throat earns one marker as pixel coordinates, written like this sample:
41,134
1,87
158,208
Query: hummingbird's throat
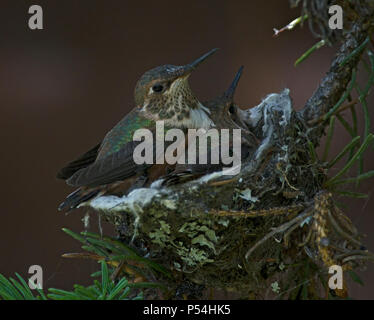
174,105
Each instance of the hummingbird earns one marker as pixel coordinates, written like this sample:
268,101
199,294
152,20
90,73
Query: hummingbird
226,114
162,93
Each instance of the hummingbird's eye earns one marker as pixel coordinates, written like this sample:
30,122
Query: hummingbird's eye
157,88
231,109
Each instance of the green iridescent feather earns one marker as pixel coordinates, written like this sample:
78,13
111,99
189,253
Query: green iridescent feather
123,133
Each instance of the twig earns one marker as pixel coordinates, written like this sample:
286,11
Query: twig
329,138
341,109
350,163
342,153
335,83
357,257
290,26
259,213
340,231
280,229
307,238
307,53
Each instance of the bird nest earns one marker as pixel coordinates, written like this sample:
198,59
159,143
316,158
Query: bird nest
246,232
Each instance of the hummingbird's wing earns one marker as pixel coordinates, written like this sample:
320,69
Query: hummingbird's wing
83,161
112,159
115,167
114,173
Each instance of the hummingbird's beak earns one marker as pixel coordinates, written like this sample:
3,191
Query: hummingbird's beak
188,68
237,113
229,93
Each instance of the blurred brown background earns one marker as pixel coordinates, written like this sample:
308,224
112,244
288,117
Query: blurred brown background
64,87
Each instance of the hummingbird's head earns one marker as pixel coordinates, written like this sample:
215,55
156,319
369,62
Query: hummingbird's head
225,109
164,91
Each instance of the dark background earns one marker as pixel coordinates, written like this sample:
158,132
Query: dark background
64,87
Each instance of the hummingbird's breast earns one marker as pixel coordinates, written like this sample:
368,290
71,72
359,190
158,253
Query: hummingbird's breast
179,108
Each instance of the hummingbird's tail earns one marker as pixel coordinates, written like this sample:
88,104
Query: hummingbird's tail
82,162
78,197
